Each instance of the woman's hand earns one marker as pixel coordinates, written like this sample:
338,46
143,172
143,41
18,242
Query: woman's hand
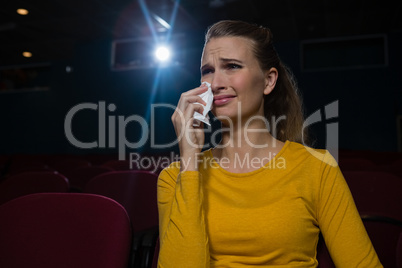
191,139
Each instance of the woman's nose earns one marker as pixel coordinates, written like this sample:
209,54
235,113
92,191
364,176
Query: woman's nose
218,82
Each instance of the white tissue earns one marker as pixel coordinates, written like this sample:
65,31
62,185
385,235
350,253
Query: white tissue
208,97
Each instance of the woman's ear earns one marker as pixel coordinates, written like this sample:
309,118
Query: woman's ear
270,80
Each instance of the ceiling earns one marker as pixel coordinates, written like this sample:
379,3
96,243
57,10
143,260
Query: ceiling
53,27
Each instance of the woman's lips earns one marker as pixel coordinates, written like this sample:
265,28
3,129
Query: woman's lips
221,100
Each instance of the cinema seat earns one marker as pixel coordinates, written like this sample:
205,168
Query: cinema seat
118,165
51,230
135,190
68,164
376,193
355,164
399,252
32,182
384,233
80,176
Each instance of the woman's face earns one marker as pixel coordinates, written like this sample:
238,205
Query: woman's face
237,80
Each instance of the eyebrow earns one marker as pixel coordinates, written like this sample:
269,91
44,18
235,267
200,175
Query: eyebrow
224,60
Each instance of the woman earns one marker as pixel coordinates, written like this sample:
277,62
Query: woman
259,198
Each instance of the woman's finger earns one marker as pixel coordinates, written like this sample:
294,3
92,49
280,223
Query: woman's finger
186,115
195,91
186,100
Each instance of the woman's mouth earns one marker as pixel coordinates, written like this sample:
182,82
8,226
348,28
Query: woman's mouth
221,100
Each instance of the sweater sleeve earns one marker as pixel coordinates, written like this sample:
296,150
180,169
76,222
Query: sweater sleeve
182,230
340,223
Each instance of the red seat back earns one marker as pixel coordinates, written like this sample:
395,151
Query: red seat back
32,182
355,163
376,193
384,233
118,165
135,190
68,164
50,230
399,252
80,176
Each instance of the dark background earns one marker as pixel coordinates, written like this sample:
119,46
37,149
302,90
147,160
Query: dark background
72,42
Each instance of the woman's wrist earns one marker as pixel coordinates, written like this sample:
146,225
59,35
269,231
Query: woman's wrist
189,162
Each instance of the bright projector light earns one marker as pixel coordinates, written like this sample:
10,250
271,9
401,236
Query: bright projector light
162,53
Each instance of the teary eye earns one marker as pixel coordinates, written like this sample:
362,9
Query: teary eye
206,71
233,66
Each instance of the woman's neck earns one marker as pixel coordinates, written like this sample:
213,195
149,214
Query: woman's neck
251,145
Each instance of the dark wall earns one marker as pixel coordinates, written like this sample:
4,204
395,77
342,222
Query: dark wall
33,122
369,98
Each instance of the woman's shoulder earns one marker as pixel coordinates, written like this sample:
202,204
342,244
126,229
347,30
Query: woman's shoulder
301,152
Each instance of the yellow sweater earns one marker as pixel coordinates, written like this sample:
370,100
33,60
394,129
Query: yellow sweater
270,217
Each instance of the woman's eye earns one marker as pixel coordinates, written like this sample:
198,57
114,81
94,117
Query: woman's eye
234,66
206,71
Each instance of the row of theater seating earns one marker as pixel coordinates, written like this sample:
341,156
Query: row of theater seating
134,190
362,164
71,230
9,164
377,190
82,230
70,178
348,160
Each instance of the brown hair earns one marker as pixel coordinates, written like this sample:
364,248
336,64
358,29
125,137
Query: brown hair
284,100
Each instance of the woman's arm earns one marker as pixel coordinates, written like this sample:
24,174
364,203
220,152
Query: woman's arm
182,230
340,223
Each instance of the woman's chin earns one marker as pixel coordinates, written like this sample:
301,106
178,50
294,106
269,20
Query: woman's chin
226,119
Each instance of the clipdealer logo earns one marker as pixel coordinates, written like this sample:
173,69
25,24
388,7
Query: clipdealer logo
331,112
107,124
112,126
